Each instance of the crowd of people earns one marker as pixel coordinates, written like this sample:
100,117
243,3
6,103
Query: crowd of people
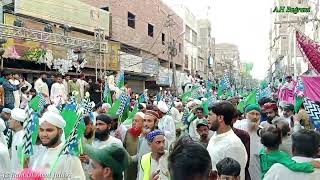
168,138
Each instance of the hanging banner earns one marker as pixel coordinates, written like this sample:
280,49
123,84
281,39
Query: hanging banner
310,49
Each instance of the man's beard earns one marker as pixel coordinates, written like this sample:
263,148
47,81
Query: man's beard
214,127
89,135
204,136
52,142
269,119
101,135
147,130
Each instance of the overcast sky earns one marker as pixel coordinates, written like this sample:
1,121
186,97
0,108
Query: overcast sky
245,23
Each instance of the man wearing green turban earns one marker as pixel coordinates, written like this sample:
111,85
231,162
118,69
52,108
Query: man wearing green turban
108,163
251,125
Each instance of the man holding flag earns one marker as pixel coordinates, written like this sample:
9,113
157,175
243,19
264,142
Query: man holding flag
18,116
49,157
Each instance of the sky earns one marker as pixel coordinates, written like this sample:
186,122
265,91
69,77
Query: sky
245,23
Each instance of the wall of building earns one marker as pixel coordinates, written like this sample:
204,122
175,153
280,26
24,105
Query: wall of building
146,12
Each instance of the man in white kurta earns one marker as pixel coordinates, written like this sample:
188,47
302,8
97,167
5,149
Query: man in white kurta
166,123
16,93
224,142
193,125
251,125
18,116
41,86
5,166
102,133
58,92
83,85
65,82
48,152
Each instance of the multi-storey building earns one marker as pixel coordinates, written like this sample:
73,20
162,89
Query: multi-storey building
285,57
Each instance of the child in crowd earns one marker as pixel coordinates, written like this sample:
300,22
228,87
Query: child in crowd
25,97
228,168
271,139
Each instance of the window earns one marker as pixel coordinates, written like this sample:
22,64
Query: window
194,38
186,61
131,20
150,30
283,37
163,39
188,34
180,47
105,8
299,1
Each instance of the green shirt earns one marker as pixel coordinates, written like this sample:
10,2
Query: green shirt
268,159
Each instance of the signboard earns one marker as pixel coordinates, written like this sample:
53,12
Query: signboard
164,77
69,12
129,62
150,66
112,58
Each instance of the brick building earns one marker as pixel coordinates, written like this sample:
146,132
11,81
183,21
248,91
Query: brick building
144,29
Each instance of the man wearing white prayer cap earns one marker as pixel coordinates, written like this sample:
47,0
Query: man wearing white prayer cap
50,133
18,116
5,166
176,113
166,123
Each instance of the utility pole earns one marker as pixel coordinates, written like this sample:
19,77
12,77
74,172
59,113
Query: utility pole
172,50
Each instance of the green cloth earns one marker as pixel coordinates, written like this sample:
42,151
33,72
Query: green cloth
297,103
251,99
252,107
268,159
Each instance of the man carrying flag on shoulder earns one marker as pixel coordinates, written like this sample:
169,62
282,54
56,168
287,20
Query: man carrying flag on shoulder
50,133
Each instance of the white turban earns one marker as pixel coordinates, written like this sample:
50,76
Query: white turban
2,125
162,106
189,104
54,119
18,114
141,114
106,106
53,108
176,104
197,102
2,136
204,99
143,105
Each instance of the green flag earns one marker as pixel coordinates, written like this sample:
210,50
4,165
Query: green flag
120,107
190,94
37,104
120,80
220,91
263,84
106,94
71,118
250,99
205,106
297,103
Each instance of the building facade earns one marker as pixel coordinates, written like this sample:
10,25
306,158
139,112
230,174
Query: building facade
227,61
285,57
50,37
145,30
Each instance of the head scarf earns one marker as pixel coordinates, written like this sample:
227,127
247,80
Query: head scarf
162,106
18,114
151,135
252,107
270,105
53,118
